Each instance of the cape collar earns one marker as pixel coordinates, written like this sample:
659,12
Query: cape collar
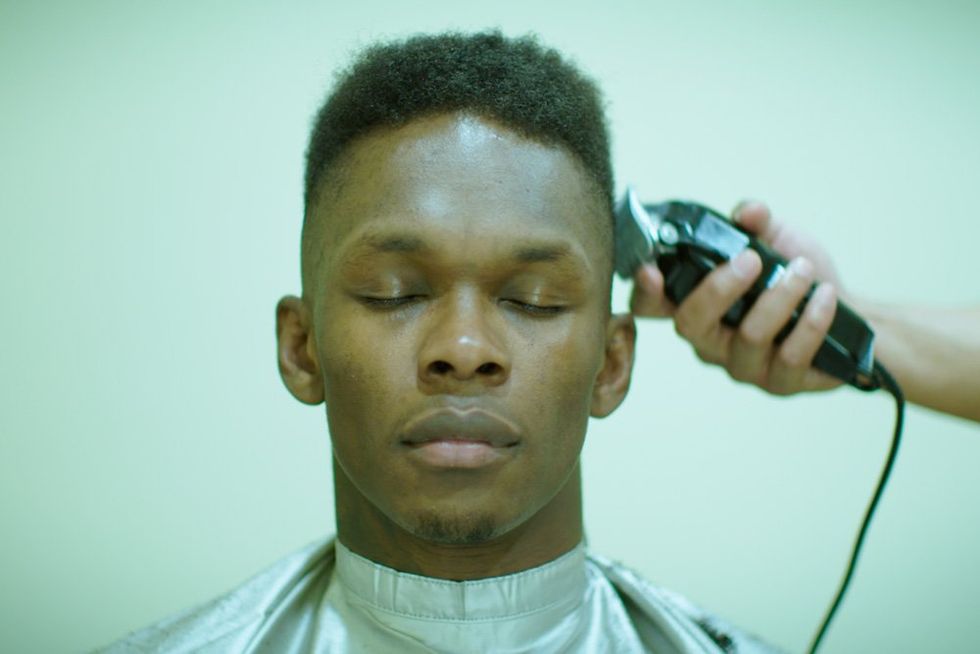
549,586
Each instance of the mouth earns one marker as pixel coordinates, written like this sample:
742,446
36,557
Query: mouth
452,438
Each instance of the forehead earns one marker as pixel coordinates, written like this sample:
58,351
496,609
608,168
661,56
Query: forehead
457,178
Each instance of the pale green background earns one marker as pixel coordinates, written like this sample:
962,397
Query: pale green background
150,194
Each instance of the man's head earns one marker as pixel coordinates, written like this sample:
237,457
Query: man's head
455,316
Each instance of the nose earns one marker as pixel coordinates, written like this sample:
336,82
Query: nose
461,349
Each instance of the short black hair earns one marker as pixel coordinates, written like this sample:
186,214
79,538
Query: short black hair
516,82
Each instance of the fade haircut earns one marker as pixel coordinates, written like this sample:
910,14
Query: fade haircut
516,82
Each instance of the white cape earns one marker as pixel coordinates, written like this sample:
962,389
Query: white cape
325,598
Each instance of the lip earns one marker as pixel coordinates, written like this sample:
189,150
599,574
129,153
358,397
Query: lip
449,437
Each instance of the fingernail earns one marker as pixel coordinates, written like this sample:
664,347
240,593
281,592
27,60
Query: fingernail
800,267
746,264
822,302
823,297
737,211
739,208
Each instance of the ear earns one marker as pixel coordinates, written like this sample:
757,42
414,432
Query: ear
614,377
298,362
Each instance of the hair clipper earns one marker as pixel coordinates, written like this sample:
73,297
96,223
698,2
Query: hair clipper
688,240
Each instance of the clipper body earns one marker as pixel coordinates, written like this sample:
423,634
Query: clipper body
688,240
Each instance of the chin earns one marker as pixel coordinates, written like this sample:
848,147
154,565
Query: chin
445,529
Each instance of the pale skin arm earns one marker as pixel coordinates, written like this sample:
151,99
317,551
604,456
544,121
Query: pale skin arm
933,353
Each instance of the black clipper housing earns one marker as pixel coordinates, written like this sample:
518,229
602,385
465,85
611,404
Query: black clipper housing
688,240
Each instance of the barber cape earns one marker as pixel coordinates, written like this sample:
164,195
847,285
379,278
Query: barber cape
326,598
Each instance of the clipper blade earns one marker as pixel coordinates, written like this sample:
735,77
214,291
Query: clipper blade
635,235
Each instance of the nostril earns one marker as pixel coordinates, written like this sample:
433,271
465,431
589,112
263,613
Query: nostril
440,367
489,368
443,368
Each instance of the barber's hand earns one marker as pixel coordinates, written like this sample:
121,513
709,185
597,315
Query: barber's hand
749,352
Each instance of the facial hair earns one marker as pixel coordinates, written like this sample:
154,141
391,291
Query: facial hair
456,529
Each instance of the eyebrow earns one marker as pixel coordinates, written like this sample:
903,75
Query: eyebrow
540,253
395,243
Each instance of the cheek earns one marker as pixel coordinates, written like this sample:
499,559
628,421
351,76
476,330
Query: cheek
360,377
560,379
567,363
356,361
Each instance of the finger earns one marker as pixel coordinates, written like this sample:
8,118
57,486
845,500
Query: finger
648,297
698,318
792,369
815,380
752,345
754,216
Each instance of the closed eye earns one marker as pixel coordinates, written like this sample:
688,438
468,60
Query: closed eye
535,309
388,302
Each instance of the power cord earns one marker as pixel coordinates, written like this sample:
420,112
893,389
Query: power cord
883,379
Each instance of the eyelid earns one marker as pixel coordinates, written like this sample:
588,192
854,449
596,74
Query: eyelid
536,309
396,302
387,302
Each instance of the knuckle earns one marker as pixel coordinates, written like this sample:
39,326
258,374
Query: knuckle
747,376
738,375
780,390
707,355
792,358
703,356
782,384
752,335
683,326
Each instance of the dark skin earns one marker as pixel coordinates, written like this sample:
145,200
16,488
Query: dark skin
457,267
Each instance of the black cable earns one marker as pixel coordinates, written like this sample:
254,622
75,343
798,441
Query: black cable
889,384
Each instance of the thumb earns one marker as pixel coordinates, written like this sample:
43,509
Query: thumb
648,297
754,216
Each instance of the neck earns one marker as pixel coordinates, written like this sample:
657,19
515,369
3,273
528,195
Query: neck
553,530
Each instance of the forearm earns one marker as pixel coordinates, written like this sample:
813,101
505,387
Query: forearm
933,353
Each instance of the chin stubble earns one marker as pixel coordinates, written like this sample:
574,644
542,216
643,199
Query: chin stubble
456,530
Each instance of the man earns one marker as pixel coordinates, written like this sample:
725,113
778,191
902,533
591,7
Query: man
455,320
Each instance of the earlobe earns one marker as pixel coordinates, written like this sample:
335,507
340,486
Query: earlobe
613,380
298,363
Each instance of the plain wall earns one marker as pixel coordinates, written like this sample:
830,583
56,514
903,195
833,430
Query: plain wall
151,159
